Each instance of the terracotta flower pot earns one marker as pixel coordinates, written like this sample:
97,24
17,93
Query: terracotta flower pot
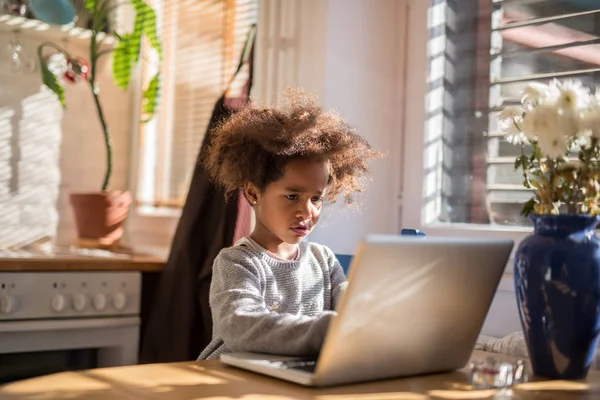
99,217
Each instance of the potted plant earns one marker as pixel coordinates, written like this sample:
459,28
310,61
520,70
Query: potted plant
99,216
557,268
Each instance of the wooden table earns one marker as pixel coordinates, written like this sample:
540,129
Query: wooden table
215,381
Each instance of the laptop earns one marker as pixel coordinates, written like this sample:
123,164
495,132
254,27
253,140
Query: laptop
413,306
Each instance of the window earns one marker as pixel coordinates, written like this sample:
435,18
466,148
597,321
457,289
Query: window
480,55
202,43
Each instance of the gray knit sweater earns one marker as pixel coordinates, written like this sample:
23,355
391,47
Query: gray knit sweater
261,303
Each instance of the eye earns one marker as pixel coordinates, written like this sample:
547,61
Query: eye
317,199
291,197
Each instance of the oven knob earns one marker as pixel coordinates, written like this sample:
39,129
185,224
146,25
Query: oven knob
7,304
58,303
99,302
79,302
119,301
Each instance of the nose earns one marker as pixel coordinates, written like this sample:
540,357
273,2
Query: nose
304,210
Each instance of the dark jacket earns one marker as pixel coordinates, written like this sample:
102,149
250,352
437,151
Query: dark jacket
180,324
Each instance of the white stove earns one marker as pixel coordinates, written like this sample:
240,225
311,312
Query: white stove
55,321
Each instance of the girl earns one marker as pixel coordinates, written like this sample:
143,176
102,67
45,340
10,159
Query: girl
272,292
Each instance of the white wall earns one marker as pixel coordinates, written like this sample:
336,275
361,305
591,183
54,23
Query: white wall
291,47
350,53
364,82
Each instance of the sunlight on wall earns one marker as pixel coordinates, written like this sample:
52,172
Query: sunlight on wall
30,135
432,160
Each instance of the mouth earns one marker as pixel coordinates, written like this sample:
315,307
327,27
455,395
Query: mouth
300,230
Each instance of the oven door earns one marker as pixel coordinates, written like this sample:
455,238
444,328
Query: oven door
34,348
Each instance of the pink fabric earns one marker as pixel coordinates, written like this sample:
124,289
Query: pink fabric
242,225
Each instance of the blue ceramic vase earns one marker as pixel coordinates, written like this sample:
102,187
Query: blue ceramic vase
557,282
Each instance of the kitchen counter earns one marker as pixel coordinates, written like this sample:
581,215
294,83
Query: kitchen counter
74,259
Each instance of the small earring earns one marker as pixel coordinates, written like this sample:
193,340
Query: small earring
254,202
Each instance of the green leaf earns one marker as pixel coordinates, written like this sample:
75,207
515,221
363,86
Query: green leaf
91,5
518,162
51,81
123,61
537,152
528,207
151,96
138,30
145,24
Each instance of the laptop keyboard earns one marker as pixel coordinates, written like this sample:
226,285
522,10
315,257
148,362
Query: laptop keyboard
302,365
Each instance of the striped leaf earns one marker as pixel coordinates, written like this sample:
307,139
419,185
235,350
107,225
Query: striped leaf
145,24
51,81
123,61
151,96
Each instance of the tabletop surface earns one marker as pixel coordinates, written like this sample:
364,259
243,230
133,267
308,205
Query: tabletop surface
216,381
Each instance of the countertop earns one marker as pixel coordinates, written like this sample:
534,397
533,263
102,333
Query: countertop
76,259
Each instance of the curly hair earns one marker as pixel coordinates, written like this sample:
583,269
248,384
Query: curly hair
255,144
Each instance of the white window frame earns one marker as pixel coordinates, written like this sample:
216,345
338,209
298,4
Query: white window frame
502,316
414,134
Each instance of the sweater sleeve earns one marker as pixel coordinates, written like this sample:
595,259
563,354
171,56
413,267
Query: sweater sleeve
241,317
339,282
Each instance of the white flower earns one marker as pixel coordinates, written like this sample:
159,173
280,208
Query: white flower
570,123
57,63
590,122
558,116
511,119
511,112
541,120
516,138
537,93
572,95
553,145
588,118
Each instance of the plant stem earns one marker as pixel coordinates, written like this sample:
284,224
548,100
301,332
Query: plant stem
95,91
106,133
104,52
54,46
551,194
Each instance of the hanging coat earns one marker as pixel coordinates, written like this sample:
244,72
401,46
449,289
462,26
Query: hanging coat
180,323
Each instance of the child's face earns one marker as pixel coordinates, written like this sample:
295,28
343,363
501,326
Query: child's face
289,208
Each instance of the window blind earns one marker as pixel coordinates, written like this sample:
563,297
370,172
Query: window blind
532,41
482,53
202,43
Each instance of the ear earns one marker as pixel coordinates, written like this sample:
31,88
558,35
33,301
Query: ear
252,193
